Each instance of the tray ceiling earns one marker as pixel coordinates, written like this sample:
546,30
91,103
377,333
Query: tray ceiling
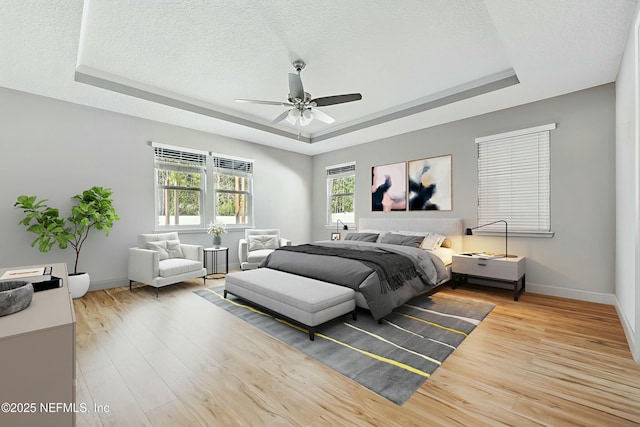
416,63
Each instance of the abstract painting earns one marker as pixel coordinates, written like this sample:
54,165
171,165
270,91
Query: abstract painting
430,184
389,187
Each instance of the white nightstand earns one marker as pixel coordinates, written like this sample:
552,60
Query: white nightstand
501,269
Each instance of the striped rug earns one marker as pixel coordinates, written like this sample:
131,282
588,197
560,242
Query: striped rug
392,358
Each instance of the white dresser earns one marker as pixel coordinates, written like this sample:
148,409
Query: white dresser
38,351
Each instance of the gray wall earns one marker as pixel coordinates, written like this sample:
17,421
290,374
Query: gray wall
628,189
55,149
578,261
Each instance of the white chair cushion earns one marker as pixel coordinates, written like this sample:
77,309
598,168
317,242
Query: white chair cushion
263,241
259,255
174,266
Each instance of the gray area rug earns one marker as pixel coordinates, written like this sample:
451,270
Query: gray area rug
392,358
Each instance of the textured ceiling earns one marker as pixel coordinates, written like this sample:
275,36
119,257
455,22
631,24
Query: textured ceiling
409,59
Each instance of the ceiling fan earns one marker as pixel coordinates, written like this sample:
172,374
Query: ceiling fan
304,109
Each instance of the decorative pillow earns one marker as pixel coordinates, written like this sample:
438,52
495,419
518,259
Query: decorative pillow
432,241
402,239
446,243
380,233
264,241
362,237
174,249
160,247
445,254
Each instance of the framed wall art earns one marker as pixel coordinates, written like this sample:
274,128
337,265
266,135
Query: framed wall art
389,187
430,184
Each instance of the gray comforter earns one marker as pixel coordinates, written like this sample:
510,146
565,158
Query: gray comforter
352,273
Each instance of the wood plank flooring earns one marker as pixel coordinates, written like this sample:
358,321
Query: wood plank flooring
177,360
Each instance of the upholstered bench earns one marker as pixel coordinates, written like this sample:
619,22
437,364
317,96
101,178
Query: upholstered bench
306,301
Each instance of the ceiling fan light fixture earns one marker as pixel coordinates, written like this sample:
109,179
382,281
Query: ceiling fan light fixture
292,116
303,111
306,117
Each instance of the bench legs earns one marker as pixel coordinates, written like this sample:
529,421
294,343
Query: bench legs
311,329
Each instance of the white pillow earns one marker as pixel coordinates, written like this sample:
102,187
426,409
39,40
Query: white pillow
160,247
432,241
263,241
174,249
445,254
413,233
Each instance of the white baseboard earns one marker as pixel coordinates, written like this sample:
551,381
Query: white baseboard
628,332
116,283
555,291
108,284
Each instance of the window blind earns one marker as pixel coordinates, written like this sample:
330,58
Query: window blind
339,171
176,159
232,166
514,180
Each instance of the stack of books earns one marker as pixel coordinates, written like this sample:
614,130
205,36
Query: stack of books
39,277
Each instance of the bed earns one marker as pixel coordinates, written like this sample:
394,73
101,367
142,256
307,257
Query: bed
380,261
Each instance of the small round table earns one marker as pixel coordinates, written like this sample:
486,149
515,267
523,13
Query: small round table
214,256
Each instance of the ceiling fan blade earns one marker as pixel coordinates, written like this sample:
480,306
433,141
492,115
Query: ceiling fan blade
280,118
336,99
255,101
295,87
322,116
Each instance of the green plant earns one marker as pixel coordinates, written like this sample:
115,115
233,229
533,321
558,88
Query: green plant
93,209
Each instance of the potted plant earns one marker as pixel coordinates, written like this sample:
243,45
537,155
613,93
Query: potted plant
217,229
93,209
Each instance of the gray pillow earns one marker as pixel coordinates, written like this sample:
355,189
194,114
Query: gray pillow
402,239
362,237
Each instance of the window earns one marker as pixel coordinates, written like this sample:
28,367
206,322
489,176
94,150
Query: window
233,180
180,177
514,181
341,182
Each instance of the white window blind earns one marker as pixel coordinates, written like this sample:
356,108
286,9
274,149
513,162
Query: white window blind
176,159
340,171
514,180
233,166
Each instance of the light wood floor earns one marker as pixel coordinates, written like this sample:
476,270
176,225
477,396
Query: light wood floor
178,360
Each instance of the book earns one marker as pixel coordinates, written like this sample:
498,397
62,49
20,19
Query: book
33,275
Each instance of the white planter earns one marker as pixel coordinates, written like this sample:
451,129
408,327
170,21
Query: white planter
79,284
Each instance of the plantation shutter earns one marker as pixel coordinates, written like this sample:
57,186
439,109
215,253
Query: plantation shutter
514,180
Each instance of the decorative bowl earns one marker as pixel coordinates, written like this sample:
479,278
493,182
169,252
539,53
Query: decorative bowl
15,295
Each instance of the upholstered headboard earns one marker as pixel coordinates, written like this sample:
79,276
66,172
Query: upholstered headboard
450,227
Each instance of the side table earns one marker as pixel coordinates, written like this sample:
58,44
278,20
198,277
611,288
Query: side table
213,252
510,270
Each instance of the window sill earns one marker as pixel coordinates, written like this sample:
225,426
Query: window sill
333,227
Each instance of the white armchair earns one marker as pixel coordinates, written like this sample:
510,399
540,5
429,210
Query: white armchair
257,245
161,260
